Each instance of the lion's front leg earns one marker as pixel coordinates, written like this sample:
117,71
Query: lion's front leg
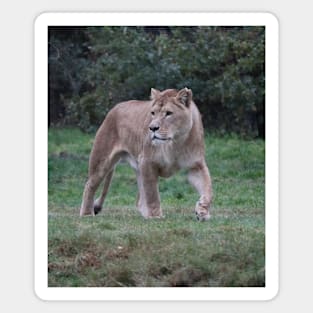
149,198
140,202
199,177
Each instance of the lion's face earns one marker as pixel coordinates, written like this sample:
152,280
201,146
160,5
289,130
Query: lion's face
170,115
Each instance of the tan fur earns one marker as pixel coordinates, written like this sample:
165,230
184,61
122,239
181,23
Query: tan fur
157,138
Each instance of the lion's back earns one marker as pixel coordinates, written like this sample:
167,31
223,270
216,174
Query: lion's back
126,125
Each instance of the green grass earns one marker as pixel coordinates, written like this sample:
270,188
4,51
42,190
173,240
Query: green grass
119,248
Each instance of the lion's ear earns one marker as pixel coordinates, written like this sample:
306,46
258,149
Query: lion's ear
154,93
184,96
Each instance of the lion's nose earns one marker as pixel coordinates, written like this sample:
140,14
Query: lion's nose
154,128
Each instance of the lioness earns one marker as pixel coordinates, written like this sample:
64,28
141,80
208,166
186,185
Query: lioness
157,138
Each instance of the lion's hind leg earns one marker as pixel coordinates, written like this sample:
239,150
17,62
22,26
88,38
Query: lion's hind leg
99,169
91,186
97,206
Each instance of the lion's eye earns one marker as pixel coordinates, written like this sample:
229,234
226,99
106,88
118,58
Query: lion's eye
152,113
168,113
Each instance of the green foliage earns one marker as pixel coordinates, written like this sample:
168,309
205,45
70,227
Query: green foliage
67,61
119,248
224,66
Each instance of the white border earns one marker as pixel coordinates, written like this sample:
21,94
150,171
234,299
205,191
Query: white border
41,137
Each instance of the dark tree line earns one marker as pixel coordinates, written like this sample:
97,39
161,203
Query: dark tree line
93,68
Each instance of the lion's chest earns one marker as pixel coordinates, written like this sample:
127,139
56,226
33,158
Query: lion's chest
168,170
169,161
166,159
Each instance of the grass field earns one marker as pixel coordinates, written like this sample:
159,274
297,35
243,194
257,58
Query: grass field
119,248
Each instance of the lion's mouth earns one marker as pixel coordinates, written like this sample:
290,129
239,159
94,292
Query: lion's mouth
160,138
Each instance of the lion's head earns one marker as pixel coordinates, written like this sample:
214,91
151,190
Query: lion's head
171,117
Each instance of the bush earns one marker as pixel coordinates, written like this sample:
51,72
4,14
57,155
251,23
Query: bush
224,66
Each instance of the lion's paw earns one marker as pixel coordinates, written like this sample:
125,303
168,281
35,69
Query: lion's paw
202,212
